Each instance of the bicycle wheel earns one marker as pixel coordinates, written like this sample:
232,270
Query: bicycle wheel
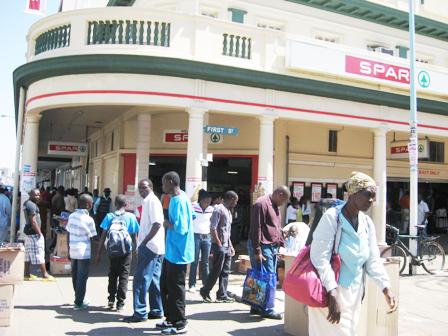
397,252
433,257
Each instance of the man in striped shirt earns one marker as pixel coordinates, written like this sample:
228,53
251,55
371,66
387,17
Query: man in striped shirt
81,228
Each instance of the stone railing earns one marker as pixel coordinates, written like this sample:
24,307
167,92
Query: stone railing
54,38
129,32
236,46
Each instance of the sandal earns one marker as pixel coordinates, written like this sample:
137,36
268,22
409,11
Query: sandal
50,278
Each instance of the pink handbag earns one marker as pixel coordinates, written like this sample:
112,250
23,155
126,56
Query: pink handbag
302,281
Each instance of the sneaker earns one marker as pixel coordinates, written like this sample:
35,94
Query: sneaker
31,277
164,325
82,306
175,331
205,296
134,319
110,304
120,308
272,315
192,289
225,299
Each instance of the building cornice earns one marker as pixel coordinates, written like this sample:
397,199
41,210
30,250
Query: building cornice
31,72
383,15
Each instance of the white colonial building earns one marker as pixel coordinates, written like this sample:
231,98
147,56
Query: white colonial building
298,92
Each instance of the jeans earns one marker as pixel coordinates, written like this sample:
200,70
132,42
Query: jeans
80,274
269,251
119,272
172,285
147,277
222,261
202,243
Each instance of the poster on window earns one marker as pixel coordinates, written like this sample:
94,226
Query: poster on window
332,188
298,189
316,192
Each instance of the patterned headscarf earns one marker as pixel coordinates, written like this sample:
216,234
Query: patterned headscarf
359,181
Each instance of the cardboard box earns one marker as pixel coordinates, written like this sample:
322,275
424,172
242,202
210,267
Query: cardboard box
6,304
60,266
243,263
61,245
12,264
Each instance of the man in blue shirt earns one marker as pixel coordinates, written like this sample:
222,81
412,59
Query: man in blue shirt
119,265
179,253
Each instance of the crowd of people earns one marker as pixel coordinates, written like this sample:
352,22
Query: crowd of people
172,232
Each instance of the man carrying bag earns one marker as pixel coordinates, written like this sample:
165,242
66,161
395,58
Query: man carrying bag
265,239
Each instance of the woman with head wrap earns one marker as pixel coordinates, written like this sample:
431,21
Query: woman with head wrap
359,255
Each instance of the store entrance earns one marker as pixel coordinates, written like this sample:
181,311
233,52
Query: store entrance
223,173
434,194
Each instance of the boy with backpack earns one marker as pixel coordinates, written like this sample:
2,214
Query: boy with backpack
116,236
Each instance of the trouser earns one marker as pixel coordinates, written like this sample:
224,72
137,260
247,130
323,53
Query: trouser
80,274
202,244
221,264
119,274
147,277
269,252
172,286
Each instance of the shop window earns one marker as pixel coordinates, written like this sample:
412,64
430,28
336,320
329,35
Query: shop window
237,15
436,151
332,141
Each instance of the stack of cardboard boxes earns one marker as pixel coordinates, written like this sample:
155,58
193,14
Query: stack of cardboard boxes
59,261
12,262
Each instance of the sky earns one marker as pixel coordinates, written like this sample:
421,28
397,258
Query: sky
14,25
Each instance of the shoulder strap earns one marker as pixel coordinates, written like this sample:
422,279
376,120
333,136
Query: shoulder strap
337,238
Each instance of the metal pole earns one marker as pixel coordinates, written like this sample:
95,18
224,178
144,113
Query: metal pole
413,139
15,194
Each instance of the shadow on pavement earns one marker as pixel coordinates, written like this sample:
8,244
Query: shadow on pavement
260,331
128,331
236,315
93,315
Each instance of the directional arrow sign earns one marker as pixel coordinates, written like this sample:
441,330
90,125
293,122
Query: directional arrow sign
221,130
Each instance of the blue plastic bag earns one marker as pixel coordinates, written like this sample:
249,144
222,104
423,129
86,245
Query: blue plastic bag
259,288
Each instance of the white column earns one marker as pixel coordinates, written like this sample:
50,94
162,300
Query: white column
193,178
29,160
266,154
380,176
143,147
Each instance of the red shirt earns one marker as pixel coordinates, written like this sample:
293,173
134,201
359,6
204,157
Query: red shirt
265,224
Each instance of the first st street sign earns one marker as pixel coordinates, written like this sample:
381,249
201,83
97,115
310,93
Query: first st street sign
210,129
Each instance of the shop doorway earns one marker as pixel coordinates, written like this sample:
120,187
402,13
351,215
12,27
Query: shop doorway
223,173
434,194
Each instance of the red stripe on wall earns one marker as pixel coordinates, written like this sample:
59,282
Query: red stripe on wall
226,101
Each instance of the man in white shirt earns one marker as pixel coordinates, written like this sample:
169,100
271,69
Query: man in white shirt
150,251
422,214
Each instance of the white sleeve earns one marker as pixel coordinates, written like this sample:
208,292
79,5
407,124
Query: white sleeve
156,211
426,208
374,265
322,248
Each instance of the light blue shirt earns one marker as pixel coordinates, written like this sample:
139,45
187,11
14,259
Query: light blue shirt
354,252
5,211
180,238
129,218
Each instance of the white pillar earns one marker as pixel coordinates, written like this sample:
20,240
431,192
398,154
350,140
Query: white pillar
380,176
29,160
266,154
193,178
143,147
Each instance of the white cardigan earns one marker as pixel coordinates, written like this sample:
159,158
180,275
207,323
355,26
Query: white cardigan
322,249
